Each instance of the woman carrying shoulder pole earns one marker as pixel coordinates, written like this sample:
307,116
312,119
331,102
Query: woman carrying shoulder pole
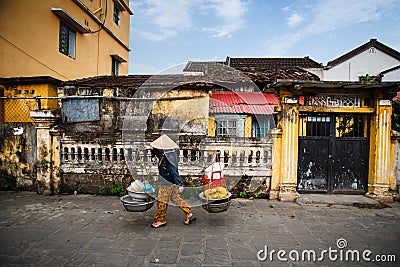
171,185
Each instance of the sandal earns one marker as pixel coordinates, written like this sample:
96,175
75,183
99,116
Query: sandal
189,219
158,224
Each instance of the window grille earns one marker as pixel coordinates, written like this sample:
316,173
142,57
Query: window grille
67,44
315,125
116,14
334,101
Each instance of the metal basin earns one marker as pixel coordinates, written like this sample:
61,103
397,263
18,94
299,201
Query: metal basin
136,205
216,208
215,205
139,195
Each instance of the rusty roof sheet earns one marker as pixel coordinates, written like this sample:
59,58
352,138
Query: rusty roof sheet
242,102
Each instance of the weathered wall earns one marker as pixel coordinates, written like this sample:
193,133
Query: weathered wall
95,154
92,165
396,164
184,110
17,156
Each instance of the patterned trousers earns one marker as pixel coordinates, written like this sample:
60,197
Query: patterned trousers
164,194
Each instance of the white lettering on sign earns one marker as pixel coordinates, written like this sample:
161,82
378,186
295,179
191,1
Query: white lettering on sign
291,100
385,102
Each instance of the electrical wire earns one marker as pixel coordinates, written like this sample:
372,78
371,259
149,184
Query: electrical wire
104,21
32,57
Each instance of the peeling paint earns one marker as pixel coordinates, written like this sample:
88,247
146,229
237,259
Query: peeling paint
18,131
17,156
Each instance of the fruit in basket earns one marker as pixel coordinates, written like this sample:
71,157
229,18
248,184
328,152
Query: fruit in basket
216,193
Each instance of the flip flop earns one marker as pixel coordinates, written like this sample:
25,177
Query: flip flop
191,219
158,226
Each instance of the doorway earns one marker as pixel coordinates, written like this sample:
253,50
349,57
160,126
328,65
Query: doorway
333,153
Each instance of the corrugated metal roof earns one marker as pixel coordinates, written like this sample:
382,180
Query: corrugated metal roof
243,102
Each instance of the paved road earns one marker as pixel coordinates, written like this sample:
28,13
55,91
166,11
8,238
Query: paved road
87,230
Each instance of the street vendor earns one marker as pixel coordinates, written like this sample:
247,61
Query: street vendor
171,185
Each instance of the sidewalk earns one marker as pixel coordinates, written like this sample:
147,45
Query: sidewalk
86,230
340,199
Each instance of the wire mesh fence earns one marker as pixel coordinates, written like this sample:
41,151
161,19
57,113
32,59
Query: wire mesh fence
17,109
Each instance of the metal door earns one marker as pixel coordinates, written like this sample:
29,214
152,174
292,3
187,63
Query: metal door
333,153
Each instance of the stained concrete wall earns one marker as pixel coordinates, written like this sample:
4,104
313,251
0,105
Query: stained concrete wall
17,156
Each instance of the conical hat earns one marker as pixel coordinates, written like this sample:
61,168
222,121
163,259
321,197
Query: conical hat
164,142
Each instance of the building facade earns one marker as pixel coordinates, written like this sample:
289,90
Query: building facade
64,39
372,59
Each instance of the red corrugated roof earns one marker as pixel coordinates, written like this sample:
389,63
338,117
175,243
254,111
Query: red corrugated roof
243,102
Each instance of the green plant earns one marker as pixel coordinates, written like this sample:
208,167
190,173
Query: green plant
117,189
243,194
370,79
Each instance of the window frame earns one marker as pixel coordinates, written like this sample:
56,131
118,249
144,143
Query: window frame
261,125
67,36
116,14
226,127
115,66
229,125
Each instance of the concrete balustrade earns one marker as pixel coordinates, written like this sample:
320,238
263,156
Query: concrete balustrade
239,159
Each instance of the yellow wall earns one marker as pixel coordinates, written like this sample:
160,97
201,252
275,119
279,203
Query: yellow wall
17,110
381,156
30,47
177,100
248,126
211,126
189,106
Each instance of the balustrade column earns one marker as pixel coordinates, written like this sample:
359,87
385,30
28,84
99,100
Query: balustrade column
47,149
